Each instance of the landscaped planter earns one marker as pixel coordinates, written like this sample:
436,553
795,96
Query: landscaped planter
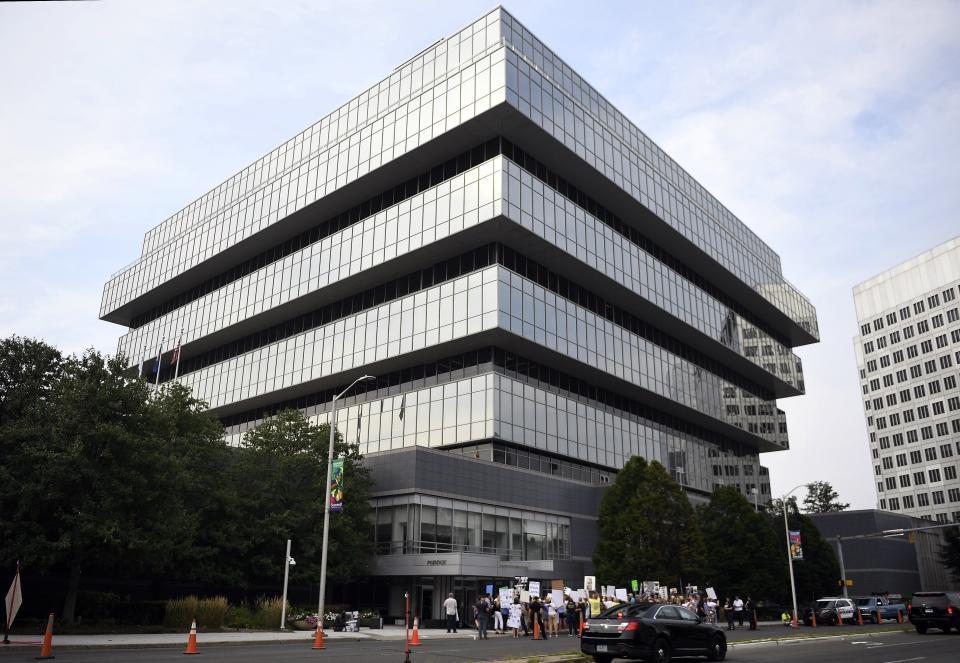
370,622
303,625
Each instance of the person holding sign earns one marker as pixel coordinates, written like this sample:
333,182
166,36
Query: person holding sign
516,617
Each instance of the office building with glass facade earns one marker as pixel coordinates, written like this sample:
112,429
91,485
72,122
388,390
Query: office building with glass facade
539,289
908,356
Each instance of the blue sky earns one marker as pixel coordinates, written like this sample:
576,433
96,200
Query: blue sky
832,129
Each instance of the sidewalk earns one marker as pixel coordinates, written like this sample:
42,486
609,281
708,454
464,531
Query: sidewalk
139,640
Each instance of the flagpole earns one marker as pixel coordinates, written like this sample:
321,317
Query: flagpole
159,357
176,370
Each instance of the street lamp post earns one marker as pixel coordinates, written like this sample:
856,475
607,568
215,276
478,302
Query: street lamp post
326,501
287,563
786,532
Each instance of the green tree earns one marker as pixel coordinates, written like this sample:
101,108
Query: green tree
822,498
98,473
282,470
745,554
950,551
647,528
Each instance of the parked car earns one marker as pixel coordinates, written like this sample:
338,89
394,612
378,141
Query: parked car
937,609
874,608
653,632
830,610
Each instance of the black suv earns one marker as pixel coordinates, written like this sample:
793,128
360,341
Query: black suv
651,631
937,609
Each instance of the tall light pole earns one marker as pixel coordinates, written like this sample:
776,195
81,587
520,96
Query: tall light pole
287,563
786,532
326,502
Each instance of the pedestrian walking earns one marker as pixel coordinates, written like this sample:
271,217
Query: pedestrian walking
450,608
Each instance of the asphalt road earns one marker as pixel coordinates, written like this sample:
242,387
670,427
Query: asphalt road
894,647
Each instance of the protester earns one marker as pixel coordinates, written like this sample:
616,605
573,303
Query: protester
751,608
483,617
595,606
785,618
497,616
738,610
553,616
450,607
516,617
562,614
583,610
711,610
728,611
573,618
536,619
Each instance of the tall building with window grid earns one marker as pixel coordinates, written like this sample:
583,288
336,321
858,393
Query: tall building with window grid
540,291
908,355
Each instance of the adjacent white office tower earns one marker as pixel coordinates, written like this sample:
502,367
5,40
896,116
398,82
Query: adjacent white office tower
908,354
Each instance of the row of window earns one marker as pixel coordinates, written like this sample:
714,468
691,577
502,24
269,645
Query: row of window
485,359
919,478
455,267
932,302
929,366
930,453
953,315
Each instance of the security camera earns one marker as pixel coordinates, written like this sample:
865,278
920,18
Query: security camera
293,562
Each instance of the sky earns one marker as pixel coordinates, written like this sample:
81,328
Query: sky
832,129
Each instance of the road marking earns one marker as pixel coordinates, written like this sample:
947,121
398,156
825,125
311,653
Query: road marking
904,660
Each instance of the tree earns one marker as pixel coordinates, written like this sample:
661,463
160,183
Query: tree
282,471
950,551
647,528
745,555
99,474
822,498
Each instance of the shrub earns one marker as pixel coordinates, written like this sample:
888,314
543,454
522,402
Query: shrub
180,612
212,612
267,612
240,616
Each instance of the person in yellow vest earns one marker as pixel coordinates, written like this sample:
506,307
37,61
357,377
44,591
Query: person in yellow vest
595,606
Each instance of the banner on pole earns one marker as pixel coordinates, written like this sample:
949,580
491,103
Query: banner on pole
12,602
336,485
796,547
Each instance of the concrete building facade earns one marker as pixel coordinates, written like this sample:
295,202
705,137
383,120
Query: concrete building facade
539,289
908,357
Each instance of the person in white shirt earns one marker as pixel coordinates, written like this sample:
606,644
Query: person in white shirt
738,610
450,607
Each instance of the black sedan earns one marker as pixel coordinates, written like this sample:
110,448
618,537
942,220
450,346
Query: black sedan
651,632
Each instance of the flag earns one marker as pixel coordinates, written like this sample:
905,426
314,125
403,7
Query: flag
403,404
13,601
796,547
336,485
175,357
156,364
359,419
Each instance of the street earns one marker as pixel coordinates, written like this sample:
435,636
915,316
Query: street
891,647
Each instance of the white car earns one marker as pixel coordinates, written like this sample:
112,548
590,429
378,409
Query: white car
831,610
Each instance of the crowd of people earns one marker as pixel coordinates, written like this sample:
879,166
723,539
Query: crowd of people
552,618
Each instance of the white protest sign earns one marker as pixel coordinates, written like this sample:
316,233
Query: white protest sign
711,594
590,583
557,598
534,588
524,596
574,595
610,590
620,593
506,596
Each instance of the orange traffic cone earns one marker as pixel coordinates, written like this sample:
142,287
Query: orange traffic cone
879,617
813,618
582,622
415,640
899,617
536,629
46,648
192,640
859,617
318,640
